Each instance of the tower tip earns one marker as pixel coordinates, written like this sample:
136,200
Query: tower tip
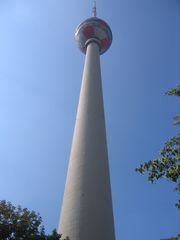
94,9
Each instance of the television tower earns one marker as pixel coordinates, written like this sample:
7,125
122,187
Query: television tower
86,212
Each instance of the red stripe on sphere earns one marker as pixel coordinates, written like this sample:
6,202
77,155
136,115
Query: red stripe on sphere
104,43
88,32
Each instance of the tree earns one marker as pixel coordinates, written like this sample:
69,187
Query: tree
168,164
17,223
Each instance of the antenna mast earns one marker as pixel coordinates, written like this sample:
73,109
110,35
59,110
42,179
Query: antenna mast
94,9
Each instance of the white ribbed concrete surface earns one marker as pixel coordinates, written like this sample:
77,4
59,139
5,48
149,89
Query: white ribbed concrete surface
87,207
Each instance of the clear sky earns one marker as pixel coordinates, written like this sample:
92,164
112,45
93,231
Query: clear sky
40,77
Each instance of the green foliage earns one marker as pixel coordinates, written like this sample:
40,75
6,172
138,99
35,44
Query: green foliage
174,91
177,120
168,164
175,238
17,223
54,236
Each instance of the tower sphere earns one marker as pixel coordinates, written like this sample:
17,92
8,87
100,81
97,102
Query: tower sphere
93,29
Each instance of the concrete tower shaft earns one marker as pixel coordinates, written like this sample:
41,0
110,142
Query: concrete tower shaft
87,205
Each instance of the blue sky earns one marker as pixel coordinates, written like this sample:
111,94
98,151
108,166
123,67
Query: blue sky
40,77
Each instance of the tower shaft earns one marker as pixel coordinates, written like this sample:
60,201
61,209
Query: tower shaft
87,206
